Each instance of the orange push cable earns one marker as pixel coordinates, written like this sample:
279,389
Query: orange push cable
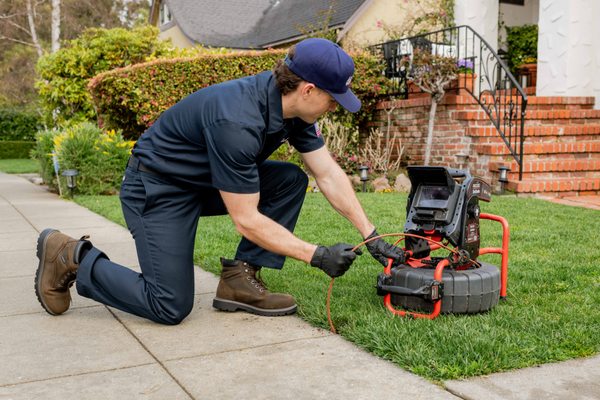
401,235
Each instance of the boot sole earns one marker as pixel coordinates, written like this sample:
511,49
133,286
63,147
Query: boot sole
41,245
229,305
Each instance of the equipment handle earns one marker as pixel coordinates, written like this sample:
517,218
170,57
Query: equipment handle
457,173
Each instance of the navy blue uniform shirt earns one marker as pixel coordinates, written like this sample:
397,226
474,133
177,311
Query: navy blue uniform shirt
217,136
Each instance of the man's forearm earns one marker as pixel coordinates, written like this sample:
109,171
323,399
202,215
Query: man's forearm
339,192
271,236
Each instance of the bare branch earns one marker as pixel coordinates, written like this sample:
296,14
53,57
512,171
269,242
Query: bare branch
30,19
13,23
17,41
9,16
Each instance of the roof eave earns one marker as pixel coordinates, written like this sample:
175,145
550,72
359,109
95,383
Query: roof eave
292,39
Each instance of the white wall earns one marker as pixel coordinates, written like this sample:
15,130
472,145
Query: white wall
569,49
480,15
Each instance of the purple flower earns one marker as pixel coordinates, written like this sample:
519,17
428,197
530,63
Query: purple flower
465,64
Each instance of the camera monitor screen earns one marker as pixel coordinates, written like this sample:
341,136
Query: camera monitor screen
434,197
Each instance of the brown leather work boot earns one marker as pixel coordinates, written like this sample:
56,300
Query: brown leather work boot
59,257
240,289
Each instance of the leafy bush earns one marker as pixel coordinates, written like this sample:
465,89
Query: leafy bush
18,124
522,45
64,74
131,98
100,157
42,152
15,148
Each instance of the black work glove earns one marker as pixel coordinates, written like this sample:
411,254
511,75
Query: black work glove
382,250
334,260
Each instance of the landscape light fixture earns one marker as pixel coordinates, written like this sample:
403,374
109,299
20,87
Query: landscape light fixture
364,176
71,176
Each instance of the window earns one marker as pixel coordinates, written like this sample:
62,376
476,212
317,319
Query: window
165,15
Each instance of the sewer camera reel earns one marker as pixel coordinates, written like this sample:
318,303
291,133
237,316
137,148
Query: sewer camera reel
443,212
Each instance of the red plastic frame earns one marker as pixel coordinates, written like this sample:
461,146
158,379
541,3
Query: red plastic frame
439,269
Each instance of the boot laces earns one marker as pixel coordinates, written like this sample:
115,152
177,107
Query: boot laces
67,280
255,280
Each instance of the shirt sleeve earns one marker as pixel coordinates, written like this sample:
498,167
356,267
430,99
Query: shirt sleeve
232,152
306,137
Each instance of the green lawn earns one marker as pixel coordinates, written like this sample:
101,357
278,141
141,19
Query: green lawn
19,166
551,312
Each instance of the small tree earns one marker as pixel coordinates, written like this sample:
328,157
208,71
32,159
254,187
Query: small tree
432,73
379,157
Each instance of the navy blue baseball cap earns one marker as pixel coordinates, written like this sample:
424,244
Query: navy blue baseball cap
324,64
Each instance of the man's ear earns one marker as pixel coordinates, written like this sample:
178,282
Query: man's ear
307,88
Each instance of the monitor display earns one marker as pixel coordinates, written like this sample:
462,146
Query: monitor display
435,197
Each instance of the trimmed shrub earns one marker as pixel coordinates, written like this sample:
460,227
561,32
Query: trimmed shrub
100,157
15,149
131,98
19,124
64,74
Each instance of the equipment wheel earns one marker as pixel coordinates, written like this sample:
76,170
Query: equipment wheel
465,292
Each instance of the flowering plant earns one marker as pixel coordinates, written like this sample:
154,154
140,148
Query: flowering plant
465,66
99,156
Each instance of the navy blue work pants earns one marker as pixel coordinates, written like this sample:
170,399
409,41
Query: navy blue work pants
162,217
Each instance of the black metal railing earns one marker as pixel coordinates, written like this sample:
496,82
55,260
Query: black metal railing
490,82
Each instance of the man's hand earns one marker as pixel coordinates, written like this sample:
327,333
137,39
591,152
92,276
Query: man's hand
334,260
382,250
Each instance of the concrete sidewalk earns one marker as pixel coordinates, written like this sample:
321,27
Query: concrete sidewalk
96,352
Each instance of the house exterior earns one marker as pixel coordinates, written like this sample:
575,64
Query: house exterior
261,24
568,43
561,133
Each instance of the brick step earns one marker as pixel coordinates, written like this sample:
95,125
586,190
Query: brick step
537,115
588,146
533,102
585,101
536,139
556,186
539,130
551,165
514,175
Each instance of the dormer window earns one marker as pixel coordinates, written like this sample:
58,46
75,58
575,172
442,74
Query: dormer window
164,15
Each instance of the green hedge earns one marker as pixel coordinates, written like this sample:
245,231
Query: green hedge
131,98
64,75
15,148
17,124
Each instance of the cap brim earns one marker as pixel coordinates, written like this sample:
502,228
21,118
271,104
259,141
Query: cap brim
347,100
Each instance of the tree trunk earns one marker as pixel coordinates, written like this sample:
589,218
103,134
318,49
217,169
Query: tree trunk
430,131
32,31
55,25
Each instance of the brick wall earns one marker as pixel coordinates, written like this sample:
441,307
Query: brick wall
409,122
